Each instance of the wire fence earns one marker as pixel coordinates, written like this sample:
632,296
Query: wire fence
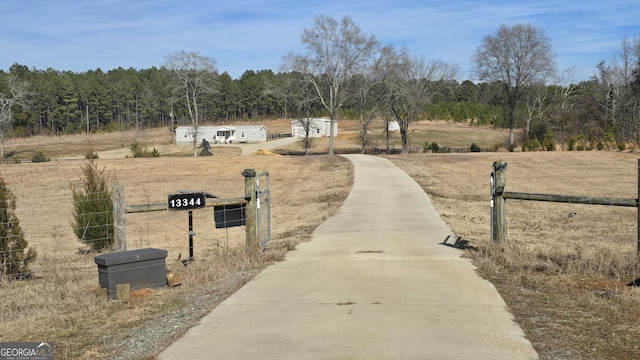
52,225
17,228
69,231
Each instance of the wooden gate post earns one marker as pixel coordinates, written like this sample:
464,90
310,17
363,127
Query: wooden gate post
119,226
498,214
251,209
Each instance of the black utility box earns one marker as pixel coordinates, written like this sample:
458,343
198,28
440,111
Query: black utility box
143,268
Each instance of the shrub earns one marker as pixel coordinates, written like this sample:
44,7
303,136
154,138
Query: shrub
93,207
431,147
573,143
39,157
475,148
531,145
140,151
549,142
136,150
91,155
578,143
14,261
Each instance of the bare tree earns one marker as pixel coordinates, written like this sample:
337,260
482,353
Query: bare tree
538,102
619,95
371,98
515,56
564,101
412,84
193,76
335,51
16,95
303,102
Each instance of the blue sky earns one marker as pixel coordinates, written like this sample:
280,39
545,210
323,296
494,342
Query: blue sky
81,35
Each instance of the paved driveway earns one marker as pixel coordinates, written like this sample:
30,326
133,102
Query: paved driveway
373,283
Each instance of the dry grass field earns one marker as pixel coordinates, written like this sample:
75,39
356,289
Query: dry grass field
564,278
62,303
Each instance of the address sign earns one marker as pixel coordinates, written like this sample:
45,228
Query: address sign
186,201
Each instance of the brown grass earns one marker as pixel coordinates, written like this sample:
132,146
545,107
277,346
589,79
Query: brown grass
563,277
62,304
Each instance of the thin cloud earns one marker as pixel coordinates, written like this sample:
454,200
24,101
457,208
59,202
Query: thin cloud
253,35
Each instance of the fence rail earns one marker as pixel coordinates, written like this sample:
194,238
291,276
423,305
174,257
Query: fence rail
588,200
498,204
255,220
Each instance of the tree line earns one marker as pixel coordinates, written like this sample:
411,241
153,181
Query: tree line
369,81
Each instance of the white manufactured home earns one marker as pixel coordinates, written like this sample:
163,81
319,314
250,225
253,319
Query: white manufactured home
317,128
221,134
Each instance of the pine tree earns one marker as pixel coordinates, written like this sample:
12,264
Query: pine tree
14,261
93,207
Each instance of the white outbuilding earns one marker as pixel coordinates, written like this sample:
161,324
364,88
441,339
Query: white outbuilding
317,128
221,134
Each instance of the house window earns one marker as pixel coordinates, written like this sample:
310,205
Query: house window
242,133
318,130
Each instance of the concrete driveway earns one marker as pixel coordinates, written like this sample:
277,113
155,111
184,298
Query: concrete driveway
373,283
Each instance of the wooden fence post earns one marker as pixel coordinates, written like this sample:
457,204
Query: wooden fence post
251,207
119,226
498,215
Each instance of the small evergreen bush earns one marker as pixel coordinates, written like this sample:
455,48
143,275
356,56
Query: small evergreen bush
93,208
39,157
531,145
14,261
431,147
140,151
549,143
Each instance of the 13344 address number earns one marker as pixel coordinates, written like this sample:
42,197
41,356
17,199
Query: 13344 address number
186,201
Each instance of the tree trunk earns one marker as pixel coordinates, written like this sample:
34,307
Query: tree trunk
512,110
405,137
364,140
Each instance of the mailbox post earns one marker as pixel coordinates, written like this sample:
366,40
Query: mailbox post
187,201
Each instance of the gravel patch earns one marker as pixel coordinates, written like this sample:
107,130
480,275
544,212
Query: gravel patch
148,339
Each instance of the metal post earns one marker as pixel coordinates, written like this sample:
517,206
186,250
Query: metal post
492,191
190,235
